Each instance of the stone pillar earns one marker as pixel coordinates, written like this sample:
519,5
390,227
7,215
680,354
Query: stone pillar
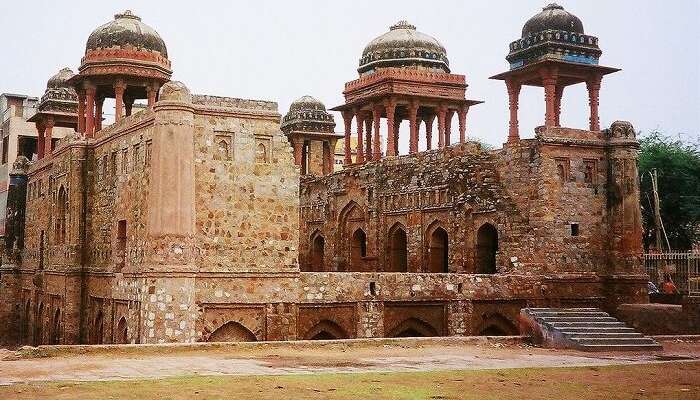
98,113
81,111
326,155
390,106
429,131
413,124
513,98
397,128
151,92
128,105
359,150
347,119
297,144
462,116
448,126
47,137
376,146
549,81
442,115
368,135
119,89
90,111
40,146
593,85
558,93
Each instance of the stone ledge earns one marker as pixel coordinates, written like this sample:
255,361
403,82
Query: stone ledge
28,352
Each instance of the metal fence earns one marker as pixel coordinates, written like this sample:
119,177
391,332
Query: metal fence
684,269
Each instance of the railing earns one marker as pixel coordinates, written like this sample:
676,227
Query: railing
683,268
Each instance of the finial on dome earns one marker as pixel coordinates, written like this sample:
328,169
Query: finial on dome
403,24
127,14
553,6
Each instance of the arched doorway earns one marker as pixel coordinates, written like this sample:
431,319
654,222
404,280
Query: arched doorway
486,248
56,328
326,330
358,250
61,204
39,324
439,251
413,327
398,250
98,329
232,332
497,325
317,253
26,325
122,333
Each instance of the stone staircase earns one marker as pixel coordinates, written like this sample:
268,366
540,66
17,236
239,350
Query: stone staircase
588,329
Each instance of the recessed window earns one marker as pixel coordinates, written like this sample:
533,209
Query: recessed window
574,229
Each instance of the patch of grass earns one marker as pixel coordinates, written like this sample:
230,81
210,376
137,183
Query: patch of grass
668,380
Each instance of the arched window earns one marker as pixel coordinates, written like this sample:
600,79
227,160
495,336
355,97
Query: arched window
39,324
260,153
438,253
413,327
486,248
497,325
317,253
26,325
42,245
398,250
61,207
358,250
122,334
98,329
56,328
232,332
326,330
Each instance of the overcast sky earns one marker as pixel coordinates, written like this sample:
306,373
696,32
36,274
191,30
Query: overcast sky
281,50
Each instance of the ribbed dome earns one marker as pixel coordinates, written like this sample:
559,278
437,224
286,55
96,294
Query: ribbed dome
404,46
552,17
126,29
307,103
60,80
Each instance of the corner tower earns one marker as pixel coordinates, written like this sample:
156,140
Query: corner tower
553,52
404,75
310,130
125,59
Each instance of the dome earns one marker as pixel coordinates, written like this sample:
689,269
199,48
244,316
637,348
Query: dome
126,29
552,17
307,103
404,46
60,80
308,114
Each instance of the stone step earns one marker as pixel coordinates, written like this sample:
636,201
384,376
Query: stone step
606,335
589,329
577,319
570,314
535,310
584,324
614,341
621,347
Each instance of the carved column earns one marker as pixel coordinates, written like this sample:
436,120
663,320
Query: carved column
151,92
558,93
40,129
376,145
47,136
368,135
81,111
128,105
98,113
347,119
390,106
429,131
90,111
297,144
397,127
442,115
413,124
593,85
513,98
359,149
549,81
119,88
462,116
448,126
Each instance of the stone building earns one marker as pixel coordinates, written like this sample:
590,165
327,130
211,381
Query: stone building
203,218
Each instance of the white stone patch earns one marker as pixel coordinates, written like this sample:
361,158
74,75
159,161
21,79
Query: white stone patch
183,324
416,288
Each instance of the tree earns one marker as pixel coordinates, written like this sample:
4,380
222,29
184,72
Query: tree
677,164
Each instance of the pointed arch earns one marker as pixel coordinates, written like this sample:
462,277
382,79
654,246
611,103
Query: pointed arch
350,211
61,207
486,248
413,327
358,250
39,324
497,325
232,332
397,249
326,330
56,328
317,252
438,249
121,334
26,325
98,329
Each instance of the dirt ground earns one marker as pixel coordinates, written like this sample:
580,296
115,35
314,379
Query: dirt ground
437,371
